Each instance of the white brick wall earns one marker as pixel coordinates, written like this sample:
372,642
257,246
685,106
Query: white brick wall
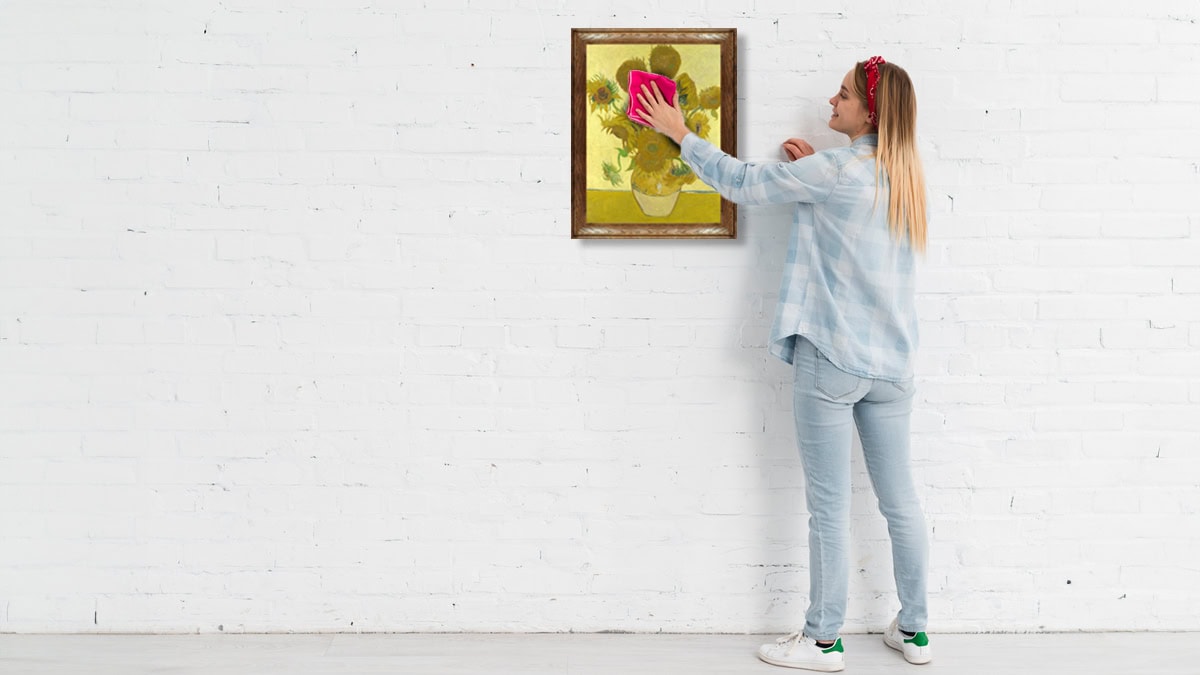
293,335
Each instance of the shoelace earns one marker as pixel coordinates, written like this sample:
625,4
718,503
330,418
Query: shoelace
793,638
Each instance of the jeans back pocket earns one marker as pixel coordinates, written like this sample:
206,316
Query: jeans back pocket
833,381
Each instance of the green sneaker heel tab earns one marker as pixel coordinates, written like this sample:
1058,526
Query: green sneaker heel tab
837,647
920,640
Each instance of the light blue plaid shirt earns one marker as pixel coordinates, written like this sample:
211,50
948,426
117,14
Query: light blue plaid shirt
848,285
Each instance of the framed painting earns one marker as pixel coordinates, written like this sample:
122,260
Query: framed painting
627,180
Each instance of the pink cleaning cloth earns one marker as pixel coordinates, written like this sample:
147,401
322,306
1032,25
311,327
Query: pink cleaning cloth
639,77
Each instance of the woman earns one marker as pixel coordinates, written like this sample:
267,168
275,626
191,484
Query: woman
846,322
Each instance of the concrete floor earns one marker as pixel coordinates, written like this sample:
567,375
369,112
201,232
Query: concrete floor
578,654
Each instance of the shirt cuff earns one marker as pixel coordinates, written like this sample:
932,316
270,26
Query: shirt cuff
689,147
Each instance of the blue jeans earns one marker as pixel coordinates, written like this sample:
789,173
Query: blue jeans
827,402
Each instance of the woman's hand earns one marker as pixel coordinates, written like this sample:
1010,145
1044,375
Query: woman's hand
796,148
661,116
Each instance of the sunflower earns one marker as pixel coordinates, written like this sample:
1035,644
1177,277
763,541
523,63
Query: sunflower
686,91
602,93
682,170
679,175
619,126
651,182
623,71
611,173
652,150
698,122
710,99
665,60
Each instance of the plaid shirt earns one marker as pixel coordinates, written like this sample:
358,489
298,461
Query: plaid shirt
848,285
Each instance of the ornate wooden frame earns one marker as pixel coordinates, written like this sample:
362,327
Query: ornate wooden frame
580,38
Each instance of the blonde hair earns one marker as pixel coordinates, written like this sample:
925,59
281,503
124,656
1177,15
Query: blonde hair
896,107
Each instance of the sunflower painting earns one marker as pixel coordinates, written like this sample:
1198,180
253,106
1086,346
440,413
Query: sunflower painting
628,179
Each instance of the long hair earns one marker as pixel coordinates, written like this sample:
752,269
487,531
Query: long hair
896,106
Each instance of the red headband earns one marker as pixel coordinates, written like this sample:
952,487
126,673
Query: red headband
872,68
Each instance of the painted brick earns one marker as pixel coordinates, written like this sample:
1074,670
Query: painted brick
284,350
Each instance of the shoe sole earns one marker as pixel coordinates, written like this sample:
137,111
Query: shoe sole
900,648
830,668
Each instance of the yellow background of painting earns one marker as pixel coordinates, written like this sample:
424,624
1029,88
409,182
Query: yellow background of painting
701,62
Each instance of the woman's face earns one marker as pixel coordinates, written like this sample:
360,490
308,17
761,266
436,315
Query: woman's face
849,112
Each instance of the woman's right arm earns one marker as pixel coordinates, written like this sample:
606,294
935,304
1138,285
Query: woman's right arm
808,179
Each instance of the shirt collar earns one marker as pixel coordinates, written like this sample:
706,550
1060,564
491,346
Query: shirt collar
867,139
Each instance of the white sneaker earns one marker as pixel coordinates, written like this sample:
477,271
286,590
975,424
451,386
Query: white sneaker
916,649
800,651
